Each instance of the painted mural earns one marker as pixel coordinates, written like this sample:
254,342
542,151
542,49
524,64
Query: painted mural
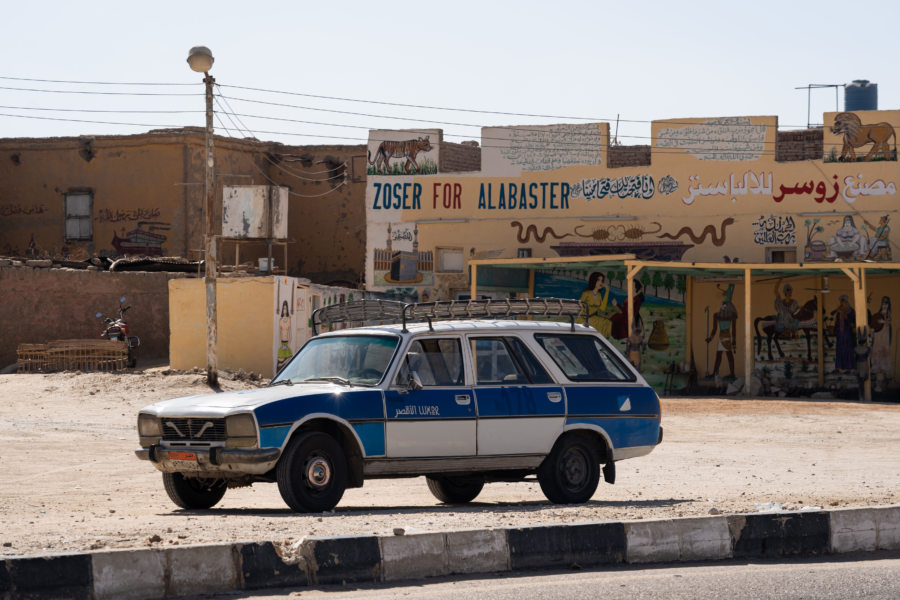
874,139
723,139
656,343
393,152
844,239
513,150
399,262
142,240
712,192
286,317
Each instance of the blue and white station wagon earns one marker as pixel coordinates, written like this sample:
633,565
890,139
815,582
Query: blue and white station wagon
459,392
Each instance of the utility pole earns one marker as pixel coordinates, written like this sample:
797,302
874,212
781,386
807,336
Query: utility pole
201,60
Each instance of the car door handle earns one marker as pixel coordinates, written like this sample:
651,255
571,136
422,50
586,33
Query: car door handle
554,396
463,399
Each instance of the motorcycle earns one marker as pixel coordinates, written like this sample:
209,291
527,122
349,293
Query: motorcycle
118,330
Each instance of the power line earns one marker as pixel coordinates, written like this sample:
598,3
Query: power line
545,129
268,159
101,110
95,82
91,92
656,150
326,97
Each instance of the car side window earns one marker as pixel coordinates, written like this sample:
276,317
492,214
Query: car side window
584,358
494,365
528,361
437,362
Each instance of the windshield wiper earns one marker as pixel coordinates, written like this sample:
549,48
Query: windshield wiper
282,382
333,379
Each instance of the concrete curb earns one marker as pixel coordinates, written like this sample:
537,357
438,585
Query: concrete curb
165,572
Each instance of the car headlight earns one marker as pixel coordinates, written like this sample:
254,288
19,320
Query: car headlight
149,426
240,431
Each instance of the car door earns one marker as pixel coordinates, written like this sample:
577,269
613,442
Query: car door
603,392
439,419
520,409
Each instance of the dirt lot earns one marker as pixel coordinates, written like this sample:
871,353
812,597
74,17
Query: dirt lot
69,480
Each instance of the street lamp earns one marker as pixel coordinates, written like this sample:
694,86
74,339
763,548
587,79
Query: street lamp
200,59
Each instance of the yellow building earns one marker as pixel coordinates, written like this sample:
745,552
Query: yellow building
716,191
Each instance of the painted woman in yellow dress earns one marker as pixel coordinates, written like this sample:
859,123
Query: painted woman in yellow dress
596,297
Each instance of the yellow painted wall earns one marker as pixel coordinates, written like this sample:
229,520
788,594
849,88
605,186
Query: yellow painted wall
713,193
246,327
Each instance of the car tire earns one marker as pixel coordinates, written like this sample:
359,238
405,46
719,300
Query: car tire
312,473
571,472
193,492
454,490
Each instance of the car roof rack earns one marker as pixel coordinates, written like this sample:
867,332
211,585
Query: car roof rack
389,311
368,312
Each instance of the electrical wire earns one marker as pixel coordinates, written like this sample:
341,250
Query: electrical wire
243,127
94,82
266,156
656,150
90,92
338,98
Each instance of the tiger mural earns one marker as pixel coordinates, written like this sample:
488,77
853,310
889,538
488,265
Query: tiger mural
407,149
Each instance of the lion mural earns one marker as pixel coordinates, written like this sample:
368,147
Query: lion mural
856,135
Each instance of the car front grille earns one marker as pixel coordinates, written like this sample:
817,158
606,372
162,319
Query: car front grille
176,429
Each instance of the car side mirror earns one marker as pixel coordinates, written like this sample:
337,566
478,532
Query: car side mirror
414,383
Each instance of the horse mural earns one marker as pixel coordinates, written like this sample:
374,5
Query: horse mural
806,322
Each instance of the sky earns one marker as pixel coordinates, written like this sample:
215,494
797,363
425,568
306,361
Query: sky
334,70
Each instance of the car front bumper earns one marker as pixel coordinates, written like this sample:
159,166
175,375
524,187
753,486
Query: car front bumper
233,461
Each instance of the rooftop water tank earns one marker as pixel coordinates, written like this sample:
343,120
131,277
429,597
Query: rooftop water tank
860,94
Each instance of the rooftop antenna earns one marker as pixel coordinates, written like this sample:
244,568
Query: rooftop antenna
809,88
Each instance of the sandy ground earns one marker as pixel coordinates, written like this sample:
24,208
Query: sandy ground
69,480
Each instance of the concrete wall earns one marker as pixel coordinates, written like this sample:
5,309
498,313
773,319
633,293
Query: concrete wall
245,324
460,157
40,305
805,144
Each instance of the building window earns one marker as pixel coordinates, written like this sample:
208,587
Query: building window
79,206
449,260
524,253
781,255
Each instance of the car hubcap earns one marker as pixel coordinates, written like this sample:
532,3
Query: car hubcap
574,468
318,472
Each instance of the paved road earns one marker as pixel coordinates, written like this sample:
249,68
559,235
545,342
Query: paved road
873,576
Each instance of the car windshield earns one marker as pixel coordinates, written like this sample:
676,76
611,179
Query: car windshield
348,360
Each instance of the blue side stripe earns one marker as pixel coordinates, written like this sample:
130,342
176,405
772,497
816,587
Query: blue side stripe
350,404
273,437
624,432
372,436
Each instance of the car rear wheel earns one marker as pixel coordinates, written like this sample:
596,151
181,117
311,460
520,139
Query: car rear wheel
312,473
571,472
193,492
454,490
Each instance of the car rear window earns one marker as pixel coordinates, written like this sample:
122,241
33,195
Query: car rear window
584,358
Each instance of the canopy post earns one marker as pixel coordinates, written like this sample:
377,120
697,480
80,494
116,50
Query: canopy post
632,271
748,335
820,346
858,276
473,285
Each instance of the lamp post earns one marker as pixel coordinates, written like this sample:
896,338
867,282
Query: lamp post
201,60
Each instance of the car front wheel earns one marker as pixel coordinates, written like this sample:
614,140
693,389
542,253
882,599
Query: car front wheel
571,472
312,473
193,492
454,490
